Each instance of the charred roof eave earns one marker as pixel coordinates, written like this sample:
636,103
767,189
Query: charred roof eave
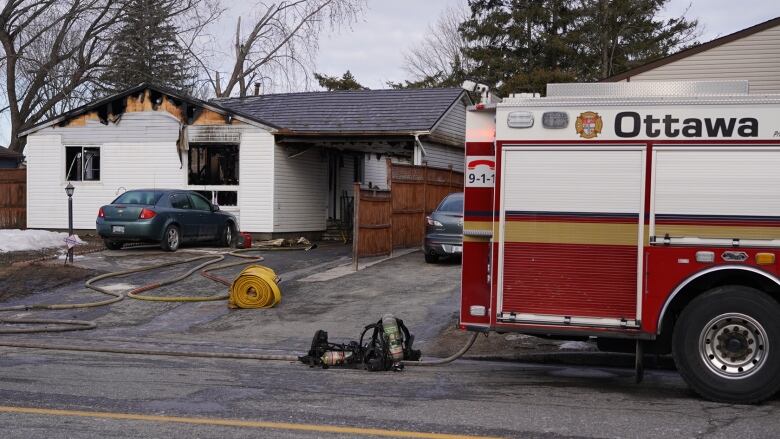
108,100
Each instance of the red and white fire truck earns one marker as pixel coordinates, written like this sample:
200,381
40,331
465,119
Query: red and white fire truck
643,213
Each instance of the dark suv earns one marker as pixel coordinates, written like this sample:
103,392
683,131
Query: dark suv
444,229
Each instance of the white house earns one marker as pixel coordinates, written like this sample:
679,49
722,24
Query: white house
751,54
283,163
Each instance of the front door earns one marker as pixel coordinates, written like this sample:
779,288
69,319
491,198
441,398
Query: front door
333,185
571,234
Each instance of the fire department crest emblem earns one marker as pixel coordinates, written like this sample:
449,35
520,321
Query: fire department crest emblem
588,125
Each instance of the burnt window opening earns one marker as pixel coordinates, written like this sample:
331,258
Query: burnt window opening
82,163
213,165
221,198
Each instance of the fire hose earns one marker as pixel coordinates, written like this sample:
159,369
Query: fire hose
254,287
62,325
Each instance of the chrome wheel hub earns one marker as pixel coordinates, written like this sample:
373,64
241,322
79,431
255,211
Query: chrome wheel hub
228,235
173,238
733,345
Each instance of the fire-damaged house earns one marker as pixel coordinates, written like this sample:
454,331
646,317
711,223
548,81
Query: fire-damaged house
282,163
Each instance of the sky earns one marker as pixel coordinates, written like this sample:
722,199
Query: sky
373,48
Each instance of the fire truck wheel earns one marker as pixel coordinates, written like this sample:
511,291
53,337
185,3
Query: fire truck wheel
726,345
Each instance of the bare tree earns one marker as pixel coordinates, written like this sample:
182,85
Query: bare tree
279,46
51,51
441,53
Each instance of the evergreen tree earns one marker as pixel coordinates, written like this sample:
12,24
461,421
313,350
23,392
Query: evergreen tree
147,49
618,35
521,45
346,82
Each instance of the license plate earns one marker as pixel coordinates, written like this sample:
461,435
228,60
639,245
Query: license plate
118,229
457,249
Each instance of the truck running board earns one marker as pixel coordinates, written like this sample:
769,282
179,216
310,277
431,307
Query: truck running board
543,319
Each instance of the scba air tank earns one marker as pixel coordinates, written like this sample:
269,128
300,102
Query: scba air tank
335,358
393,336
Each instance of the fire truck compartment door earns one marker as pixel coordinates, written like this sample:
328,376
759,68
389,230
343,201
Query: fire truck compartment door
570,235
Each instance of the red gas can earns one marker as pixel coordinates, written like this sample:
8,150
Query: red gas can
244,240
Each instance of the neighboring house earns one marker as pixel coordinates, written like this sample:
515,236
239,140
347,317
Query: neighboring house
282,163
751,54
9,159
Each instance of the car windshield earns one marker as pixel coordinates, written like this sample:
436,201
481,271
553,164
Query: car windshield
139,197
452,204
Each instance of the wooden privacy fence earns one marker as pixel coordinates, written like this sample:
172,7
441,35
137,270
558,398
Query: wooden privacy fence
395,218
13,198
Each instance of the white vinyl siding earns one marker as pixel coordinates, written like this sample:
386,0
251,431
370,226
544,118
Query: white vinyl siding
256,181
586,181
138,152
300,191
755,58
451,128
124,166
441,156
717,181
375,171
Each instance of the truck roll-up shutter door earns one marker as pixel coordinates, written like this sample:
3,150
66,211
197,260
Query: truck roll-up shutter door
571,234
711,193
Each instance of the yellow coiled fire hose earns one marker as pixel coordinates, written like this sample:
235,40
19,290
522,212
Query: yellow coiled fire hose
255,287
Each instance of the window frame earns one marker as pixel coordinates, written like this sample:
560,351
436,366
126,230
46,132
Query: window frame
210,147
67,168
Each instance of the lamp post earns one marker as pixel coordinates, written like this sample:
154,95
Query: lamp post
69,191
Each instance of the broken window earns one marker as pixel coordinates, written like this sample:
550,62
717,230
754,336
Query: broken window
221,198
213,164
82,163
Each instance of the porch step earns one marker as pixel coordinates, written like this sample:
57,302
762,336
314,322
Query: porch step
334,232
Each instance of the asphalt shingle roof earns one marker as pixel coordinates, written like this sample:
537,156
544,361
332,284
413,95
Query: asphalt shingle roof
6,153
359,111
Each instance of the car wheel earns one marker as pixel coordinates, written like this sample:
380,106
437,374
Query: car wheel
171,239
113,245
228,235
431,258
726,345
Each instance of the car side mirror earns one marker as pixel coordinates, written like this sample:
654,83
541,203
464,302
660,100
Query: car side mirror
214,208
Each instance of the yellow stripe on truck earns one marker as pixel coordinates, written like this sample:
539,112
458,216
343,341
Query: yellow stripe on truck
555,232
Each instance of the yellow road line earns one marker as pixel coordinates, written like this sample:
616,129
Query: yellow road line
238,423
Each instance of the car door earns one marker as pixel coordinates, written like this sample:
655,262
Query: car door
185,215
208,222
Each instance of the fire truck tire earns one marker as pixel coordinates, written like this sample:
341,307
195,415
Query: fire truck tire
726,345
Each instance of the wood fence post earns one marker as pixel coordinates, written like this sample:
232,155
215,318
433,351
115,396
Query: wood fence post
421,222
392,215
389,173
356,225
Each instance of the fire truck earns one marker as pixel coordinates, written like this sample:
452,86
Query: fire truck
644,214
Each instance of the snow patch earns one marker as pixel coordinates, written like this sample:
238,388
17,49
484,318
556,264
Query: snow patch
13,240
576,346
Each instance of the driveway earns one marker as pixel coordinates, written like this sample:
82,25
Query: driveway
424,295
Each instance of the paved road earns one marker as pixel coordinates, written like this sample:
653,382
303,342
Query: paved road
181,397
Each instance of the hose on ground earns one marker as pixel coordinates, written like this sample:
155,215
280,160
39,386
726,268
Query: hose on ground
255,287
450,359
130,351
63,325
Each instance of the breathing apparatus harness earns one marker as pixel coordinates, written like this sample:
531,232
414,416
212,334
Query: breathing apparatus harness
389,344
